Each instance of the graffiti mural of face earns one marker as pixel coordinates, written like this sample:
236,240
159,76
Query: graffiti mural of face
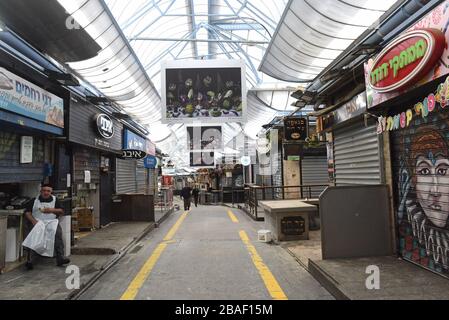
432,187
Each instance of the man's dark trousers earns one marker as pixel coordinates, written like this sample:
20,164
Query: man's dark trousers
187,202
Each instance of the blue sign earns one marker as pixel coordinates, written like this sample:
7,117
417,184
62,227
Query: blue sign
132,141
150,162
25,98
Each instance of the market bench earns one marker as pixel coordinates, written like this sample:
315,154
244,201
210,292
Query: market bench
288,219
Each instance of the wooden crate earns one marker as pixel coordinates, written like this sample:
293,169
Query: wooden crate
84,219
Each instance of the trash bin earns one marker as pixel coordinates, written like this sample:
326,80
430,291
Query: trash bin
3,228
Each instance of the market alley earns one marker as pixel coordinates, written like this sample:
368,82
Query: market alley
210,252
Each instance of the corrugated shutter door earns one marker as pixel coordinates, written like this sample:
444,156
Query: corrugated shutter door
141,178
356,152
126,176
314,172
419,159
152,181
277,176
11,170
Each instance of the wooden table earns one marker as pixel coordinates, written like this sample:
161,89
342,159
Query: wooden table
288,219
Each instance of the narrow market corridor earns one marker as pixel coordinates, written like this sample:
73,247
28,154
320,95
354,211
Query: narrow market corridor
210,252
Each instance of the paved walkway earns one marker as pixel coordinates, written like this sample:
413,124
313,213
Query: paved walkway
209,253
92,253
397,279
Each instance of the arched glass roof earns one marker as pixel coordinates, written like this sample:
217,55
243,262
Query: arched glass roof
199,29
312,34
279,40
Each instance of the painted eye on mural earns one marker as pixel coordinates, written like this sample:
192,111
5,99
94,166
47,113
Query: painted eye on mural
424,171
442,171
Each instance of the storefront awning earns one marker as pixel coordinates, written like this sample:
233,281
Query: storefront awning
47,26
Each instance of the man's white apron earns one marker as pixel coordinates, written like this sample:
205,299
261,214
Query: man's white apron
42,237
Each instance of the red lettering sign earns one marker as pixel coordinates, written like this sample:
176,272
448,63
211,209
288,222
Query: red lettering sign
406,60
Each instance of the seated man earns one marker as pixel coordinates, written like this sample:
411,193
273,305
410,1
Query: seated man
46,207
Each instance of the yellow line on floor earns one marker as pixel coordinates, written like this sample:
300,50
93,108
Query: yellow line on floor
176,226
233,217
143,274
268,278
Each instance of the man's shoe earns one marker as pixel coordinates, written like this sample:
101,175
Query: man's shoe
29,266
62,261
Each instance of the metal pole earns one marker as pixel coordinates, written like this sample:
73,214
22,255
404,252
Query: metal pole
248,42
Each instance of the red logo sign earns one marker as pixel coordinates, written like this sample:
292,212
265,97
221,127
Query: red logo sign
406,60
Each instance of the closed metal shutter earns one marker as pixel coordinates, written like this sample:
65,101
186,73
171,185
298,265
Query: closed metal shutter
152,181
357,158
277,177
126,176
314,172
11,170
141,177
419,159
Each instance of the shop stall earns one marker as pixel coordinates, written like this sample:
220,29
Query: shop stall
95,139
133,200
407,89
31,118
355,146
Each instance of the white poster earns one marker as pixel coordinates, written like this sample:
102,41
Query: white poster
69,180
26,149
87,178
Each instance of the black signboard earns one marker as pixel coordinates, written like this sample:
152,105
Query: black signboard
293,226
105,125
295,128
293,151
133,154
83,128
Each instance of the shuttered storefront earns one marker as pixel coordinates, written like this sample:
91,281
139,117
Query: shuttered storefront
132,177
277,176
141,177
357,156
11,170
152,186
314,172
126,176
420,163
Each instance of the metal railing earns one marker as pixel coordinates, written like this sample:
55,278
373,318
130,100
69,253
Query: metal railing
164,200
254,194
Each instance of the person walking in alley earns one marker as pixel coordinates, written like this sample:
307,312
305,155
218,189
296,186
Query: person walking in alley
42,216
186,195
196,195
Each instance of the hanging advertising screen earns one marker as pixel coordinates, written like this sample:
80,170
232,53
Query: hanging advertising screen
202,159
203,90
202,138
22,97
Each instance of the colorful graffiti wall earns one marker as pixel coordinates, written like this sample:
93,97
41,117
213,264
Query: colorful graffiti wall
420,159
